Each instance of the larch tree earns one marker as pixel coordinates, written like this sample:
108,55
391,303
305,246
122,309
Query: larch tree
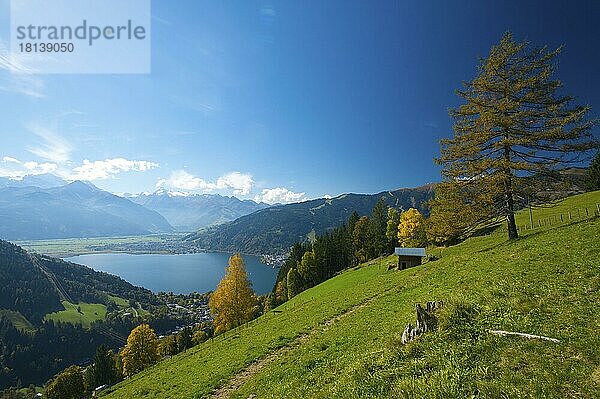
234,302
199,337
141,350
514,124
411,230
168,346
294,283
308,269
362,240
456,209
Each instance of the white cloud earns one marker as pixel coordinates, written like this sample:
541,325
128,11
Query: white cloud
239,183
11,160
53,147
279,195
16,169
109,168
182,180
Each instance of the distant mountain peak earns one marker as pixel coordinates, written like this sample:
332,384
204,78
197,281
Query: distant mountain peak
162,191
81,185
189,211
45,180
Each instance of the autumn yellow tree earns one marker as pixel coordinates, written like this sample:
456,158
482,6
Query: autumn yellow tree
168,346
411,230
67,385
141,350
233,302
281,291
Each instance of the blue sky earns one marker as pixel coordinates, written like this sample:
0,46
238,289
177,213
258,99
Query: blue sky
309,98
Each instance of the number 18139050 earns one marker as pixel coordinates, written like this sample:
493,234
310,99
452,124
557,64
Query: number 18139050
46,47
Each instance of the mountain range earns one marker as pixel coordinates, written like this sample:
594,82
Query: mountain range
46,180
77,209
192,212
47,207
273,230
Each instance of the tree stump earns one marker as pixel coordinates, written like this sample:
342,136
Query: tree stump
426,321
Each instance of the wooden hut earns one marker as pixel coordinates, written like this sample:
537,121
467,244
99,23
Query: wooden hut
409,257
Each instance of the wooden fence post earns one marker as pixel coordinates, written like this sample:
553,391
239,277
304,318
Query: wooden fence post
570,217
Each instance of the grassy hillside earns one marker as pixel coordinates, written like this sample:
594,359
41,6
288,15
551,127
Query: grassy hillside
81,313
17,320
341,338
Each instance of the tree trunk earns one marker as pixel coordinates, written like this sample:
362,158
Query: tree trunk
509,205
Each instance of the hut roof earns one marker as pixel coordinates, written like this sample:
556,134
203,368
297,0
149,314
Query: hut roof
410,252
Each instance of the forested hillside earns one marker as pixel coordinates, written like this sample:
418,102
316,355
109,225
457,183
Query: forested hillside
33,347
25,288
276,229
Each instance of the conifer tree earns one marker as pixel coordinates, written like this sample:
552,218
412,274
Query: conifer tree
233,302
104,370
199,337
308,269
593,174
391,231
354,217
294,283
362,239
281,291
184,339
379,226
513,124
168,346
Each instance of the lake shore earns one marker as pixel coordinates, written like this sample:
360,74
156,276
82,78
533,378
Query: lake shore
178,273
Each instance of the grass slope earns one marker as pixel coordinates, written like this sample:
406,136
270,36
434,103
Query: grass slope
19,321
85,315
545,283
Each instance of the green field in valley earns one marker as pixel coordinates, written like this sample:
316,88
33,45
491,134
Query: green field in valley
81,313
77,246
545,283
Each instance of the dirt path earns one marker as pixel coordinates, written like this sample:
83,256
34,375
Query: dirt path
253,368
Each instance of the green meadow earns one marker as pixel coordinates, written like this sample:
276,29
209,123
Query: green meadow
545,283
81,313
